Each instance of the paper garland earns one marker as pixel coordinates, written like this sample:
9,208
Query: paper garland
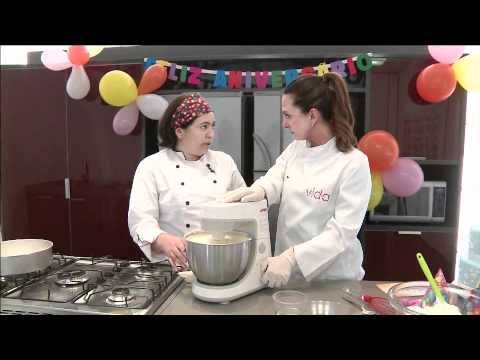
233,79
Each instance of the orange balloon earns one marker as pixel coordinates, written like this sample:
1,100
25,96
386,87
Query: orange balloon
78,55
153,78
381,149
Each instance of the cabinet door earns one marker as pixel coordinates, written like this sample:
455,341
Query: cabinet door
267,130
101,169
33,161
229,124
432,131
390,255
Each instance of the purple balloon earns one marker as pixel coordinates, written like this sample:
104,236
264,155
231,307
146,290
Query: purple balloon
404,178
125,119
55,60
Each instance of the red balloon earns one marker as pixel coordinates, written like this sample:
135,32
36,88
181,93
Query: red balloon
381,149
413,93
78,55
436,82
153,78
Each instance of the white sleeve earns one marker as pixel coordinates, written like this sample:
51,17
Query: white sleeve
143,210
272,181
316,255
237,179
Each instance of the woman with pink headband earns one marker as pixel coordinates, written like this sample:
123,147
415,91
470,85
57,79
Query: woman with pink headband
170,186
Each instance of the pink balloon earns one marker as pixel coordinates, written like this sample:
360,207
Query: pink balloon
55,60
404,178
125,119
446,54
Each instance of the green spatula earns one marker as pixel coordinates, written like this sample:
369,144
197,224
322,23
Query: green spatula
430,278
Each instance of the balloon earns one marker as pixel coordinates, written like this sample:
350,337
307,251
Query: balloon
436,82
94,50
152,106
78,55
446,54
377,191
153,79
467,71
55,60
381,149
413,93
404,179
117,88
125,119
78,84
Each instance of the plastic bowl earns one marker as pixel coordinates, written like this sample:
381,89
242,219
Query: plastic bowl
405,296
289,302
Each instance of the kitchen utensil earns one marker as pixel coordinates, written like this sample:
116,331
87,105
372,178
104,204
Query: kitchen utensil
403,295
429,276
218,258
380,305
355,300
289,302
22,256
231,270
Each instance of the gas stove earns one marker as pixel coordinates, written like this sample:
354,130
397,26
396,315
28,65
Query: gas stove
78,285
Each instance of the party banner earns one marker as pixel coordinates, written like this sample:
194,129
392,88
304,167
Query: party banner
234,79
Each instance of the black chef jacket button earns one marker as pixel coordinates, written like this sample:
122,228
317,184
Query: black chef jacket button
177,166
188,225
188,203
214,181
182,183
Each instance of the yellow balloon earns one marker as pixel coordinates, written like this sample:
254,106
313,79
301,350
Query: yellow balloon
377,191
467,72
94,50
117,88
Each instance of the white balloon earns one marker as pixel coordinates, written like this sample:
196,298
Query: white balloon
78,84
152,106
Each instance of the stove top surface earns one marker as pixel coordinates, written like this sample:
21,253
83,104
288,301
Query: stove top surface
90,286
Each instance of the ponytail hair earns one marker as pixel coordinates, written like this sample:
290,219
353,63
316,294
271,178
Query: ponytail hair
329,95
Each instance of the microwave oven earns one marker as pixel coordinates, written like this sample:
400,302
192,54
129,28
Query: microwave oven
428,205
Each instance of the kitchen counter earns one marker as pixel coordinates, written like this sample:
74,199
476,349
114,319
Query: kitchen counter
182,301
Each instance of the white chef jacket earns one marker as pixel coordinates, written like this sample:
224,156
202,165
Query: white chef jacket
323,195
168,191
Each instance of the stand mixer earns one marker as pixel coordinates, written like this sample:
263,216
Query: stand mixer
251,218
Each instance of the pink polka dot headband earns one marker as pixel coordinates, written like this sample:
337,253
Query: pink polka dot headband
191,107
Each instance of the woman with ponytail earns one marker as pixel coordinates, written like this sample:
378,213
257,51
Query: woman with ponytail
322,183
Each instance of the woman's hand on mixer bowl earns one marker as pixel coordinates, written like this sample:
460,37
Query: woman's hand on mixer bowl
173,247
277,270
245,194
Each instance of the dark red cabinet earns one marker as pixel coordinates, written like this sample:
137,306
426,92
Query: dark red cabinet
33,156
47,138
390,255
432,131
48,215
102,165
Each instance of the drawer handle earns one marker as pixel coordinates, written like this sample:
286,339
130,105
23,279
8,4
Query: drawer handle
409,233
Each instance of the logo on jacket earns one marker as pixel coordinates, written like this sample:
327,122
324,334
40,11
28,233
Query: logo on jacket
317,194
